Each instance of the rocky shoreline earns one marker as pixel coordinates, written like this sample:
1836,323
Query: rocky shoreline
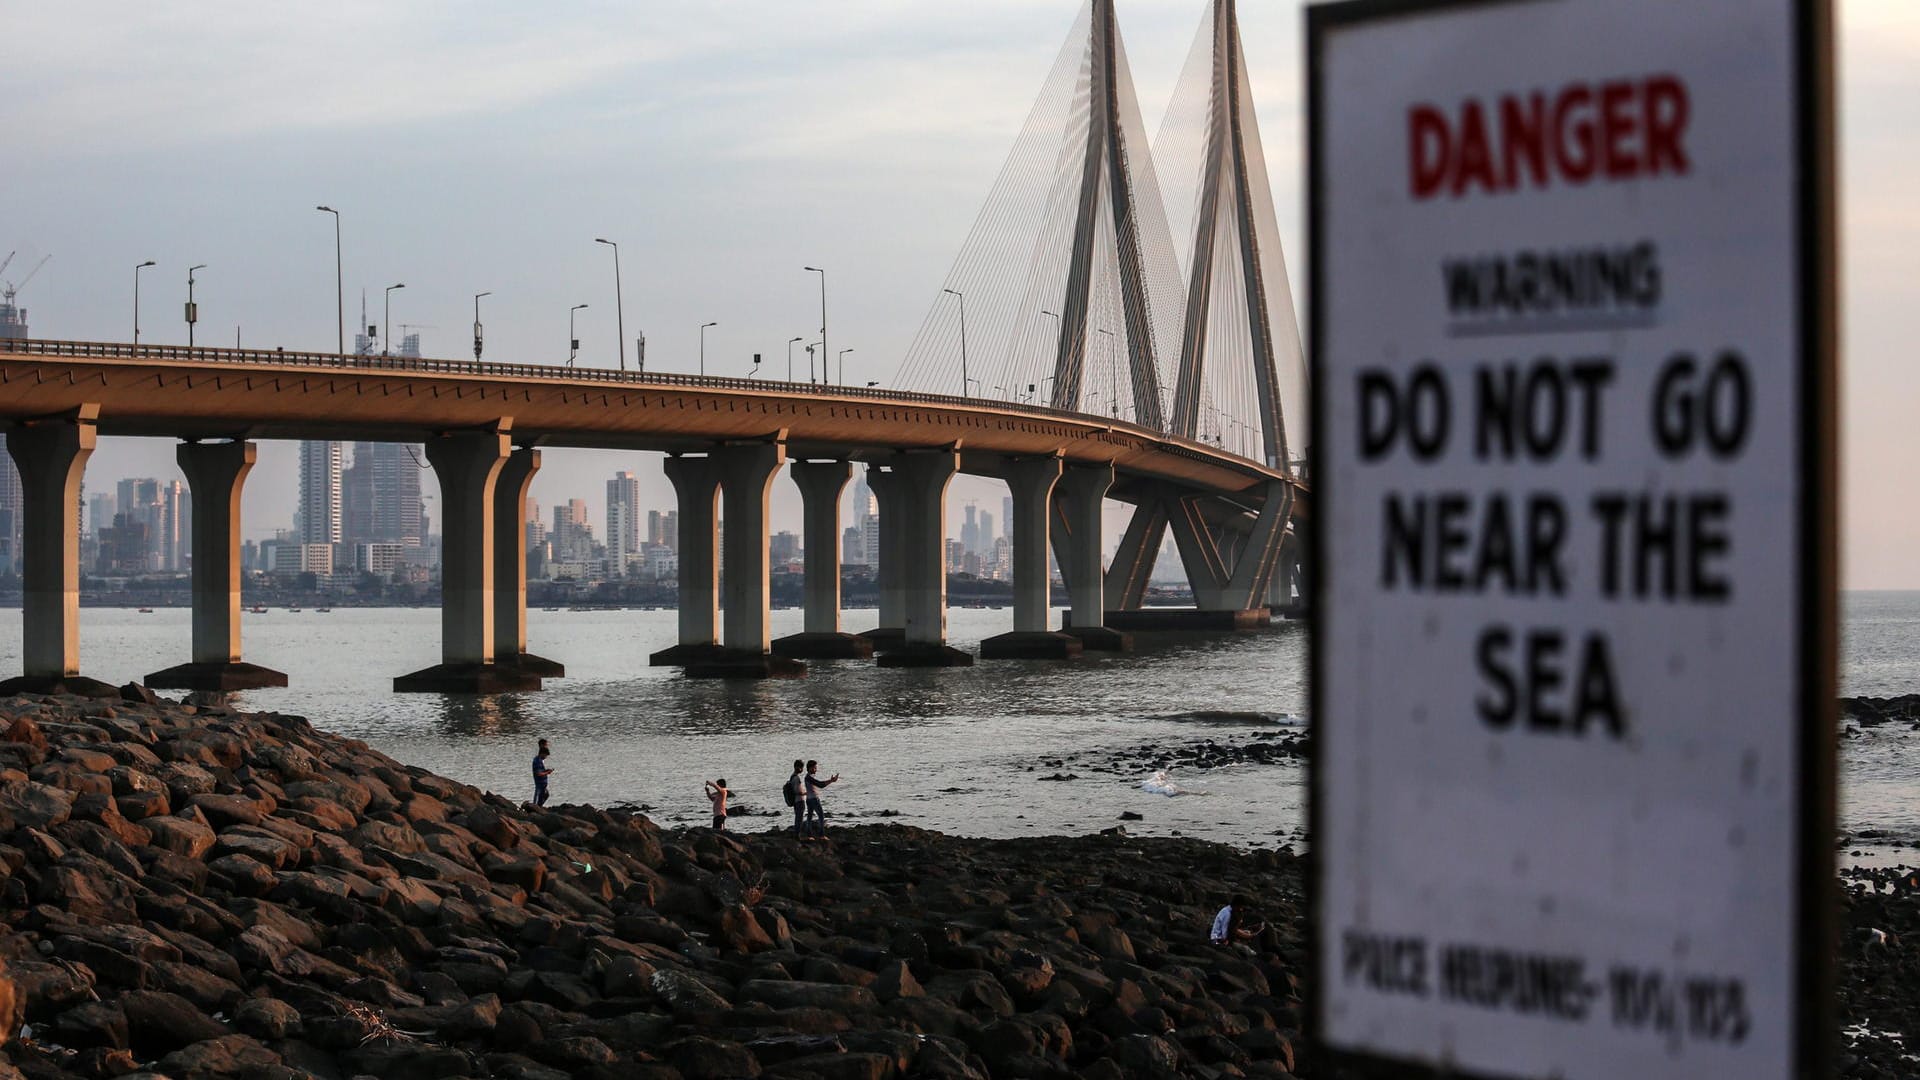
193,892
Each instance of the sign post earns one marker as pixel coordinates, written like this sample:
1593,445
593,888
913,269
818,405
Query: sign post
1575,493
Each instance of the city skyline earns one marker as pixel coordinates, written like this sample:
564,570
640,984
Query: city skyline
871,167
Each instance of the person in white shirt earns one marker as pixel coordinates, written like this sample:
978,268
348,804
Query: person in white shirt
1230,924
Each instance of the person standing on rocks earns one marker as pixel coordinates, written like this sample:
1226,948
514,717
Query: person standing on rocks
540,773
717,794
817,814
796,796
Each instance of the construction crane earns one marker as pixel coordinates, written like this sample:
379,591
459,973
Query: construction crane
13,288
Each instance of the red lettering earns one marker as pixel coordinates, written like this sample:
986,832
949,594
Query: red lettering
1616,126
1665,118
1617,130
1473,163
1523,132
1427,149
1574,132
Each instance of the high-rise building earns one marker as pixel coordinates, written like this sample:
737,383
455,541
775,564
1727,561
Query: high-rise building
986,535
124,549
970,530
319,515
782,547
13,318
380,496
670,530
1006,518
655,529
623,521
572,537
139,502
174,538
12,513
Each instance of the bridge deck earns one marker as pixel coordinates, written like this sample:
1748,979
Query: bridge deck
176,392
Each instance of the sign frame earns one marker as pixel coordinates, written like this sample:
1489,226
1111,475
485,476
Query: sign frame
1816,528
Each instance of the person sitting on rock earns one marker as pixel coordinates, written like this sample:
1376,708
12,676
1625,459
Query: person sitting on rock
1231,925
540,774
717,794
817,814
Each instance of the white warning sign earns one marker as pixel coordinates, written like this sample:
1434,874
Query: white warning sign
1573,502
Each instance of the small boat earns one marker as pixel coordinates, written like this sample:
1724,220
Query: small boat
293,609
146,611
324,610
256,610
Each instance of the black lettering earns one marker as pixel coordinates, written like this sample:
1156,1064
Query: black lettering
1544,679
1428,412
1496,710
1546,411
1546,532
1591,377
1495,410
1672,406
1402,556
1610,509
1596,697
1450,541
1377,429
1727,408
1706,572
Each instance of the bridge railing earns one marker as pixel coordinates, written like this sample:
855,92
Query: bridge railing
107,350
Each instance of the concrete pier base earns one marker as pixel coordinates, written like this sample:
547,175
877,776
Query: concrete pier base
921,654
1190,619
1100,638
833,645
886,637
694,652
467,678
1031,645
216,676
77,685
537,666
745,664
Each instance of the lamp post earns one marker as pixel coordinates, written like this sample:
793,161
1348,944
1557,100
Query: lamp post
790,344
386,327
703,345
136,299
619,303
823,363
339,288
476,324
573,341
843,363
193,312
823,325
963,339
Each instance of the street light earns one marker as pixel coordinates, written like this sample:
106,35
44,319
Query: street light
476,324
823,325
790,344
703,345
193,312
339,288
619,302
386,329
1058,328
573,341
843,362
963,339
755,373
136,299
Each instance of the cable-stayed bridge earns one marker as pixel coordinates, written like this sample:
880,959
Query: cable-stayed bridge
1082,348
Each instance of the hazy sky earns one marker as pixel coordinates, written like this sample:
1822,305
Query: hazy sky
483,146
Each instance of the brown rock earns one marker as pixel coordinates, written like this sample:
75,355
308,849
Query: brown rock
226,811
159,1022
266,1018
896,980
140,805
181,836
24,731
10,1005
227,1055
741,932
35,805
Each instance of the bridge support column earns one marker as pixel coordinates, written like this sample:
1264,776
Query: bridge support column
467,465
696,488
215,474
510,567
923,479
1080,496
1031,482
51,455
889,574
746,472
821,484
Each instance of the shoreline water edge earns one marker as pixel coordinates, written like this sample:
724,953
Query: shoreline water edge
191,891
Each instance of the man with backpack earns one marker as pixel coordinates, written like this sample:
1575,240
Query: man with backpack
795,794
